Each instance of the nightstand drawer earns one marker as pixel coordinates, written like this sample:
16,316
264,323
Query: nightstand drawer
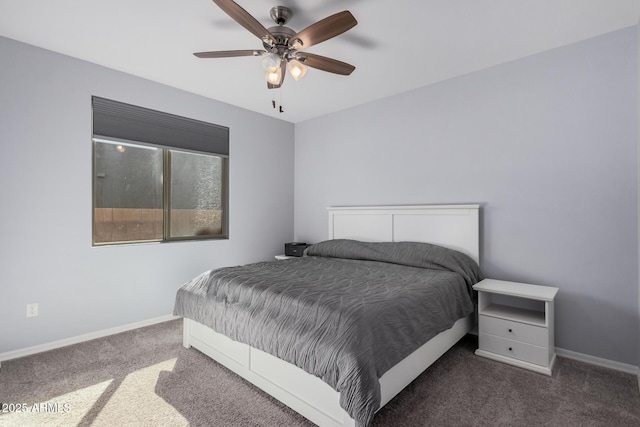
529,334
514,349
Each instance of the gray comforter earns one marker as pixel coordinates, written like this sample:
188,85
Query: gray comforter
346,312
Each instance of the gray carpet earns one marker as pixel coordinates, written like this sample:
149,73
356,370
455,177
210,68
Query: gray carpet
146,378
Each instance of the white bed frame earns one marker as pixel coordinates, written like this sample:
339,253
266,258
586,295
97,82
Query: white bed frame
453,226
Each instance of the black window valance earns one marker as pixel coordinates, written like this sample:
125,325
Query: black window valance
129,122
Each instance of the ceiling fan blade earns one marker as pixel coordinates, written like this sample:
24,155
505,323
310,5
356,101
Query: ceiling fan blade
243,18
326,64
230,53
324,30
283,72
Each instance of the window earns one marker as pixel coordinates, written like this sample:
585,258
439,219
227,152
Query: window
157,177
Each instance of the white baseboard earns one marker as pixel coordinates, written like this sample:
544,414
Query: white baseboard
605,363
82,338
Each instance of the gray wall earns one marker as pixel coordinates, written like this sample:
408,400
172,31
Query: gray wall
45,220
547,144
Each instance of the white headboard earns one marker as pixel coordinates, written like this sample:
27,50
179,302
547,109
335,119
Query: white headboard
452,226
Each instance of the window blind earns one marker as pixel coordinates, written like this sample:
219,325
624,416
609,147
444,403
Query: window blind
124,121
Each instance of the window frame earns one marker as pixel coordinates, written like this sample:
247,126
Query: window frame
166,194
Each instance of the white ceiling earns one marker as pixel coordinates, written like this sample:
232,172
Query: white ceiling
396,46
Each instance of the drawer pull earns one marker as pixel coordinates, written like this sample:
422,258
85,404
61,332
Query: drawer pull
510,349
510,330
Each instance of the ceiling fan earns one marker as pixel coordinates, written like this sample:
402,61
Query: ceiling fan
282,45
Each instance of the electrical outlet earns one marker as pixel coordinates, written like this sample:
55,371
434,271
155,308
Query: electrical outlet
32,309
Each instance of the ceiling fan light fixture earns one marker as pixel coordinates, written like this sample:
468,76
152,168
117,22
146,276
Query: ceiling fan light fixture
296,69
271,62
274,76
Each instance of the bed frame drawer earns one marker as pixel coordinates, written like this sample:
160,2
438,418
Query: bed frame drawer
289,377
529,334
515,349
230,353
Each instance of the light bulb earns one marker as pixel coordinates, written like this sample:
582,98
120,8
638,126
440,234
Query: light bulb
271,61
297,69
274,76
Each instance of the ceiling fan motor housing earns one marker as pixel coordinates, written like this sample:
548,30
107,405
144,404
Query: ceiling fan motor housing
281,34
281,47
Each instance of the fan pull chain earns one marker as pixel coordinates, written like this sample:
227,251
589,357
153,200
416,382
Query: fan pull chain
273,102
281,110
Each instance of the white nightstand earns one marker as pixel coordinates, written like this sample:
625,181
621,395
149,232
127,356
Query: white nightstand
515,324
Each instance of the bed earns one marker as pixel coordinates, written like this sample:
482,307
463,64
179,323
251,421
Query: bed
448,226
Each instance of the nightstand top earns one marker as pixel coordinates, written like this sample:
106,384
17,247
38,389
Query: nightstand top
515,289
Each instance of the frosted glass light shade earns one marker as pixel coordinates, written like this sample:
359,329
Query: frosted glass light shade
274,76
296,69
271,61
